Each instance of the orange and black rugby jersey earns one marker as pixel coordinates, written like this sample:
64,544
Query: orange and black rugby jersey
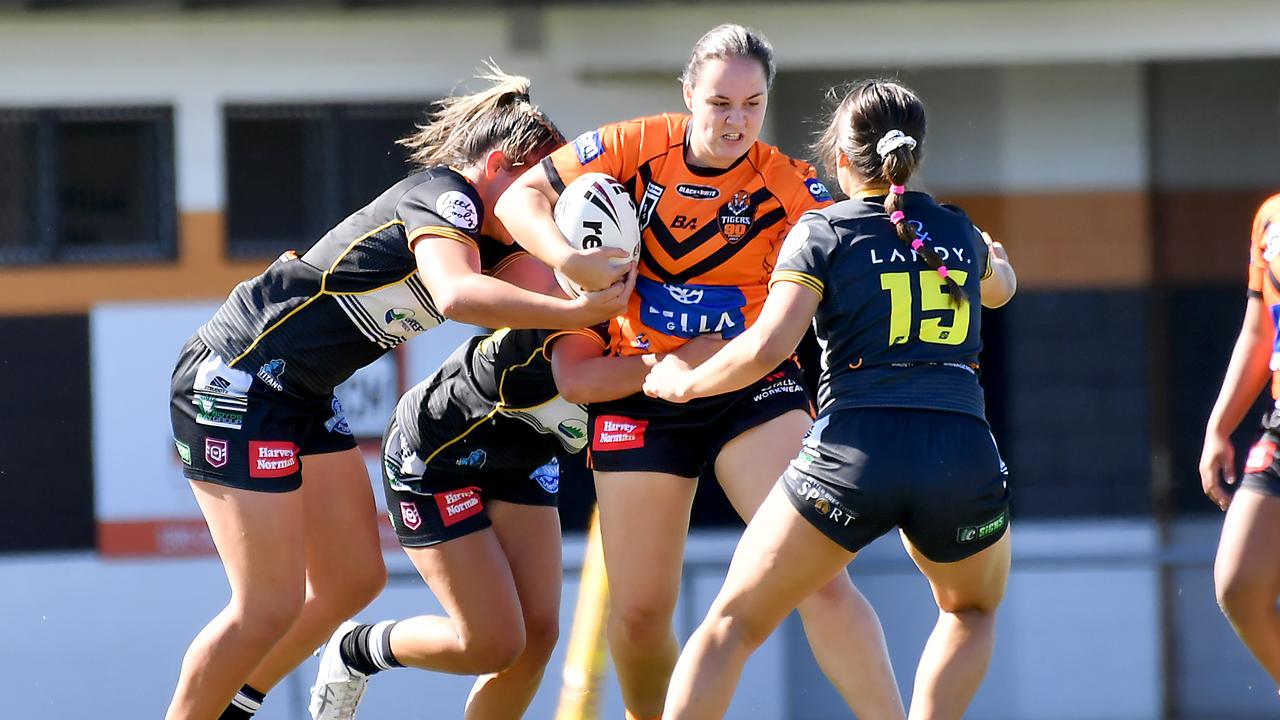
1264,273
307,323
710,236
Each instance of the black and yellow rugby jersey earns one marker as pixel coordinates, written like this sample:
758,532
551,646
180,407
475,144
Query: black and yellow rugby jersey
889,334
710,236
307,323
492,406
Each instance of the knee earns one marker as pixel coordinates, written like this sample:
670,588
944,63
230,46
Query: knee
972,610
640,625
729,629
267,616
1240,595
349,591
541,636
492,652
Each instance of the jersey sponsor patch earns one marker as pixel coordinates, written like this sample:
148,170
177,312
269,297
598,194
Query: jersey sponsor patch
457,208
817,189
409,515
1260,456
588,146
458,505
548,476
686,311
615,432
270,373
697,192
215,452
338,422
272,458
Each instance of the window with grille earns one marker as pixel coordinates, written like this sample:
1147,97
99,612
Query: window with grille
86,184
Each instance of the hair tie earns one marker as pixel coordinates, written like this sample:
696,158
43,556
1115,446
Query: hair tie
897,216
893,140
916,244
942,270
897,189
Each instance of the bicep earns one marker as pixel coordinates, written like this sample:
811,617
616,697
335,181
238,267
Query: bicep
570,351
442,260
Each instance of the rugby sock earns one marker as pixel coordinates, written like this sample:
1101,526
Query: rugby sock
367,648
246,702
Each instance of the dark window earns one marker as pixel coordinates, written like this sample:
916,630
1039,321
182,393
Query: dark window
86,184
294,171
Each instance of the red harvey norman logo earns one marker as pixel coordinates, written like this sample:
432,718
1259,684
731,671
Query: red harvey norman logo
409,515
215,452
615,432
272,459
458,505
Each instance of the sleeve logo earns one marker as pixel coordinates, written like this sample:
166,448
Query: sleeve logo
458,209
817,190
1271,241
588,146
795,243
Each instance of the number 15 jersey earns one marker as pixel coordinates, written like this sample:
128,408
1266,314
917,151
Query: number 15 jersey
889,333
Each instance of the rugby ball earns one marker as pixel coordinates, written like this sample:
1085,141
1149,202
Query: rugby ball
597,211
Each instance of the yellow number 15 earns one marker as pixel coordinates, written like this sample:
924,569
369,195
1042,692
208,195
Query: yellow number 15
933,297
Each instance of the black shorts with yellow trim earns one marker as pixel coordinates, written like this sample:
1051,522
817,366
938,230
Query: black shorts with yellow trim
230,429
936,474
431,505
643,434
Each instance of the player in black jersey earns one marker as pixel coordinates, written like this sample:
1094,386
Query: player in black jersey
894,284
253,410
471,479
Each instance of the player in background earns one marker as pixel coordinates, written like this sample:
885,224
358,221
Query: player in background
894,283
261,436
714,205
1247,570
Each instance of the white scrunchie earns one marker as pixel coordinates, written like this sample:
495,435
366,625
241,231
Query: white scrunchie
893,140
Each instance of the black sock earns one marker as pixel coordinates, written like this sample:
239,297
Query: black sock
367,648
246,702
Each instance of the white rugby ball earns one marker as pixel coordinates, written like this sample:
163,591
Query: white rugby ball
597,211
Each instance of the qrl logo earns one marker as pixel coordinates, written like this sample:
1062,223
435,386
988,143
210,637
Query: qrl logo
215,452
409,515
594,230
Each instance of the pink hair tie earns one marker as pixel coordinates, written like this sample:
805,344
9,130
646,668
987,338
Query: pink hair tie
942,270
897,216
917,244
897,189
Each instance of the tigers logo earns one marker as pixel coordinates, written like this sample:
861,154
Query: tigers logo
736,217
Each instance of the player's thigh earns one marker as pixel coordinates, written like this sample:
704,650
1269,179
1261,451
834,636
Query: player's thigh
259,537
1249,549
644,519
530,538
750,464
976,582
343,547
471,577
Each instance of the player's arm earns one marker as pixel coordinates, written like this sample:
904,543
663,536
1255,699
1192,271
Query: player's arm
525,209
1247,375
584,374
786,316
451,270
999,283
528,272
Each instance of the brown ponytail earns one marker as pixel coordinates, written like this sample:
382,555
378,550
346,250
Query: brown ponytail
462,129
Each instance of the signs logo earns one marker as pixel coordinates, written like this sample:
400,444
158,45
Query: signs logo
975,533
184,451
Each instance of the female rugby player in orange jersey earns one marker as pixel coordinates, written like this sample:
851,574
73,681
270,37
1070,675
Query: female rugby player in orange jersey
714,204
894,283
1246,572
269,455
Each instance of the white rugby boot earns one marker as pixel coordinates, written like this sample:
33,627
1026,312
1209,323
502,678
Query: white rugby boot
338,688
